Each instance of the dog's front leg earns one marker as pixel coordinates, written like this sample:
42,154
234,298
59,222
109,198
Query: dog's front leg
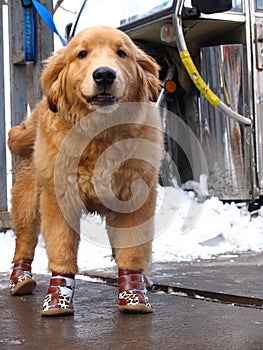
131,237
62,247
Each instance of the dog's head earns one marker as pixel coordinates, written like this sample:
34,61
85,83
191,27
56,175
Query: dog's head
100,66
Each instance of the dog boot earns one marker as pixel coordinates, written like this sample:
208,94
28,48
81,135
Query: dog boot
132,292
59,298
21,281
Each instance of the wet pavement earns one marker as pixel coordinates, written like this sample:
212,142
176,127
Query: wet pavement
181,320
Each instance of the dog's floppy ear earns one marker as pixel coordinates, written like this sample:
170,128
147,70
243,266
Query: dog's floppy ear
52,79
149,73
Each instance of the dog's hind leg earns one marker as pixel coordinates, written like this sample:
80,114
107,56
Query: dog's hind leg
25,210
62,247
131,237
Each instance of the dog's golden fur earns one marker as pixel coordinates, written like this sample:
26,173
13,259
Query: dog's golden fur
69,98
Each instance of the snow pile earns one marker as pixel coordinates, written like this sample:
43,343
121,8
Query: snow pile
186,230
215,228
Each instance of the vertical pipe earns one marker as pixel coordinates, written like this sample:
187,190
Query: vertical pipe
3,184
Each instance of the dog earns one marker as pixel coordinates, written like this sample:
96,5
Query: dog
94,142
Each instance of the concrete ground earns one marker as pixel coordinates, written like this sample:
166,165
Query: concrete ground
194,309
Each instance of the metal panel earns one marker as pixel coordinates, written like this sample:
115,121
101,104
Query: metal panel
3,189
259,44
258,90
226,142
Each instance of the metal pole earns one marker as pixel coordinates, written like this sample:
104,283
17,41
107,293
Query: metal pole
3,185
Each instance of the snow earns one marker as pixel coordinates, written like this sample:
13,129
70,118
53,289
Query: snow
185,230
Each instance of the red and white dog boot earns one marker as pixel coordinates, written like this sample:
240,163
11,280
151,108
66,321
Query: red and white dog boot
21,281
59,298
132,292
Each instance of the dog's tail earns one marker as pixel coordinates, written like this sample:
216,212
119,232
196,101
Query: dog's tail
21,138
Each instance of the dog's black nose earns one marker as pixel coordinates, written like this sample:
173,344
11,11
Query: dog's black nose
104,76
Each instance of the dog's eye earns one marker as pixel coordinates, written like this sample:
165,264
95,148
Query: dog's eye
82,54
121,53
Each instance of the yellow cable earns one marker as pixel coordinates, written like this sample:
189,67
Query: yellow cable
197,79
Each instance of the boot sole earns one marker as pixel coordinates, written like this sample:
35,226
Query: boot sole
57,312
23,288
135,309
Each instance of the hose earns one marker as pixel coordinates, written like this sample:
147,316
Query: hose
193,72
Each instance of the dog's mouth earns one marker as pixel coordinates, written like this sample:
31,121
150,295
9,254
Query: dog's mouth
102,99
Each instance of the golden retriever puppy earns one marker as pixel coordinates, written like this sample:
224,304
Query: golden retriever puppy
93,143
